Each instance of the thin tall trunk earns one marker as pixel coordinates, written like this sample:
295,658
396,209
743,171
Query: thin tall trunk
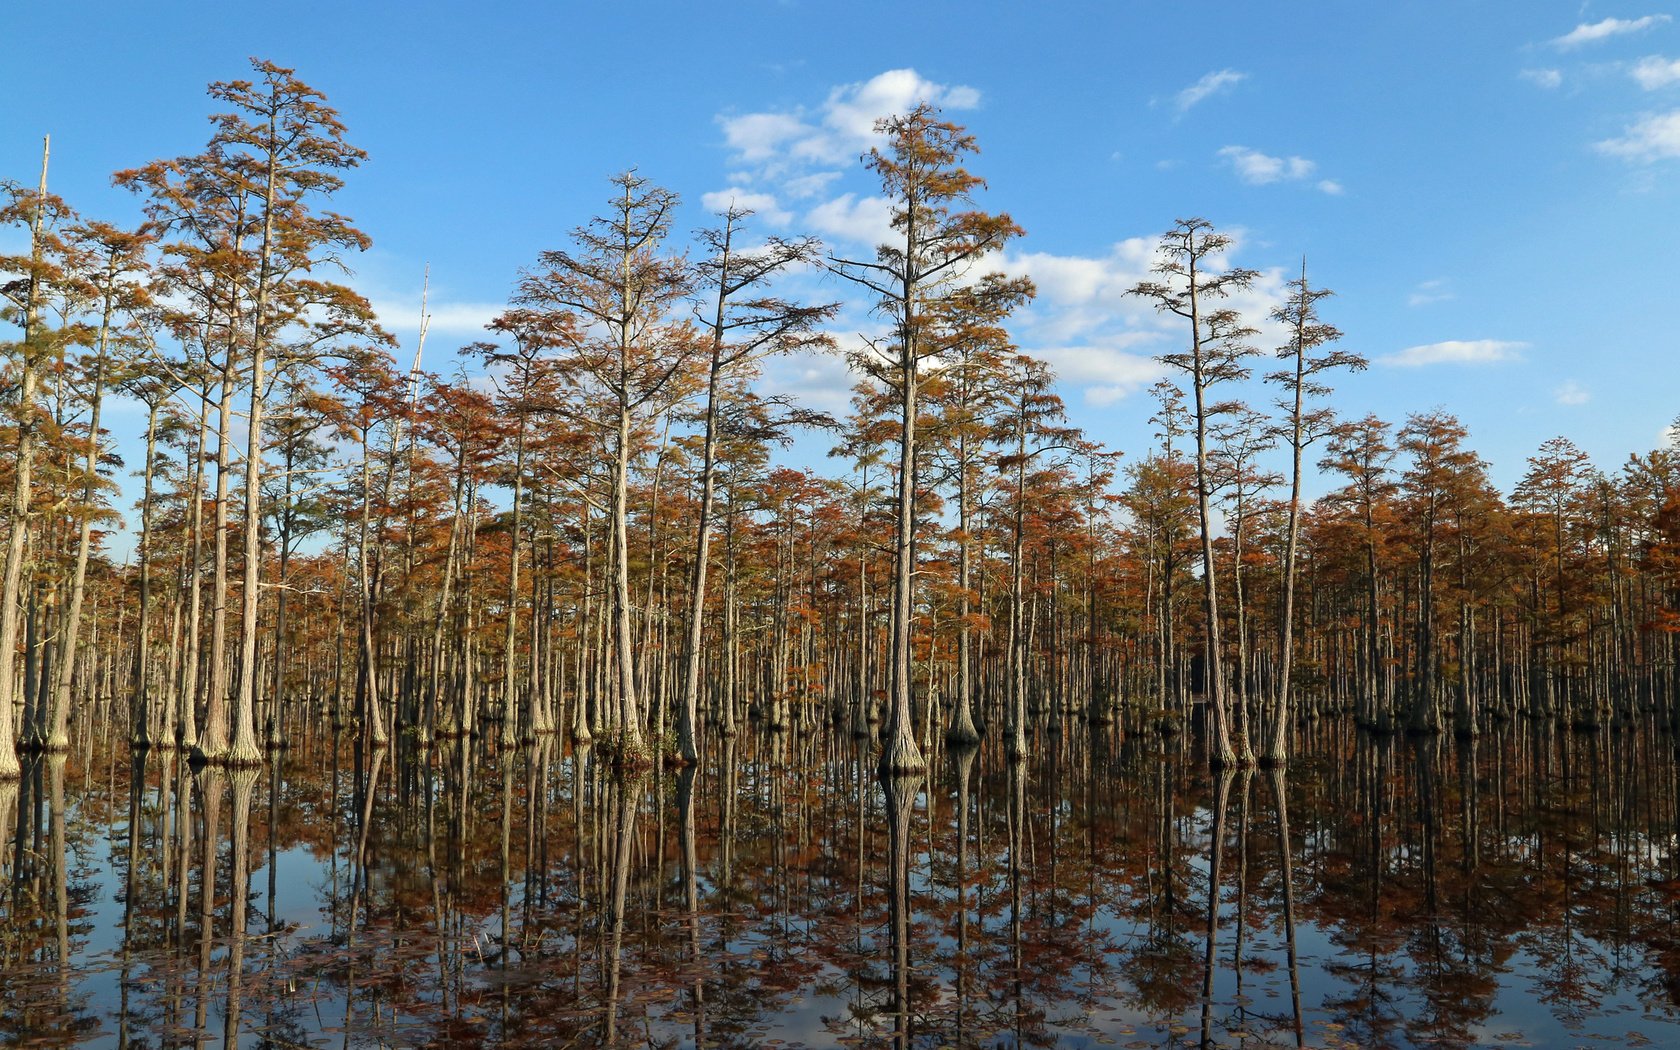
632,750
368,663
245,751
18,514
510,694
688,713
1277,745
900,753
213,741
1220,752
58,738
962,730
1017,600
140,717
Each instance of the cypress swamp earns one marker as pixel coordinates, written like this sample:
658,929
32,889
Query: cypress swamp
569,676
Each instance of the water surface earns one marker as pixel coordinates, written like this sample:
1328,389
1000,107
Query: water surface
1519,890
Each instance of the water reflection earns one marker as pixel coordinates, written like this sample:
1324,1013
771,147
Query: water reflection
1518,888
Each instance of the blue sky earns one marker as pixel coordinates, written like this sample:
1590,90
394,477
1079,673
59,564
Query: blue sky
1492,188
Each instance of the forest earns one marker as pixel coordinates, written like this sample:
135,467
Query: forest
579,535
588,534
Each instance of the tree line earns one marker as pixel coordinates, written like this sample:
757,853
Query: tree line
584,530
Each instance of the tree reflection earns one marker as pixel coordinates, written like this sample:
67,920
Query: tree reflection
1386,892
900,792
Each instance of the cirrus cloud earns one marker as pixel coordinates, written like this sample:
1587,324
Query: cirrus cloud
1211,84
1592,33
1457,352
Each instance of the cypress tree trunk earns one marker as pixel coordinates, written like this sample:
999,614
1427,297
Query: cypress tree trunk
18,514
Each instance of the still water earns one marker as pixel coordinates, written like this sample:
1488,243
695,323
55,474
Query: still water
1518,891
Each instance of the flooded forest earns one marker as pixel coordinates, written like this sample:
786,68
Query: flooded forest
531,693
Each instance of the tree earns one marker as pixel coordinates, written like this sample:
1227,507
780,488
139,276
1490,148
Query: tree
153,387
1441,471
1553,489
24,299
969,390
743,328
934,246
1361,452
527,388
296,510
1218,344
370,395
294,144
624,289
1159,500
251,249
114,280
1308,336
1025,428
1241,437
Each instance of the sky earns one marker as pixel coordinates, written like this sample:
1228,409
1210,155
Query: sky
1491,187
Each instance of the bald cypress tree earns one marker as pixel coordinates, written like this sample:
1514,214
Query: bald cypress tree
23,303
1309,353
936,240
247,240
746,324
1191,285
624,287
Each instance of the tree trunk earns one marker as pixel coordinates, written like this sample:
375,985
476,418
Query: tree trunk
18,514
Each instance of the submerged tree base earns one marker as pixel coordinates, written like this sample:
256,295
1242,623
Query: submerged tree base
901,757
242,757
962,731
624,753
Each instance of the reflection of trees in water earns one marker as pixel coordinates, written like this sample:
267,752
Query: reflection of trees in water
527,897
44,922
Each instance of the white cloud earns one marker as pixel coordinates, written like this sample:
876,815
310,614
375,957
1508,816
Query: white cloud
851,110
759,136
1433,291
1210,85
1331,186
1260,169
820,381
1072,280
842,127
811,185
1655,137
866,220
763,205
1654,71
1546,78
1571,393
1102,341
452,319
1457,352
1107,374
1592,33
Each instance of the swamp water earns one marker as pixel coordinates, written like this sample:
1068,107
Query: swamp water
1519,891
